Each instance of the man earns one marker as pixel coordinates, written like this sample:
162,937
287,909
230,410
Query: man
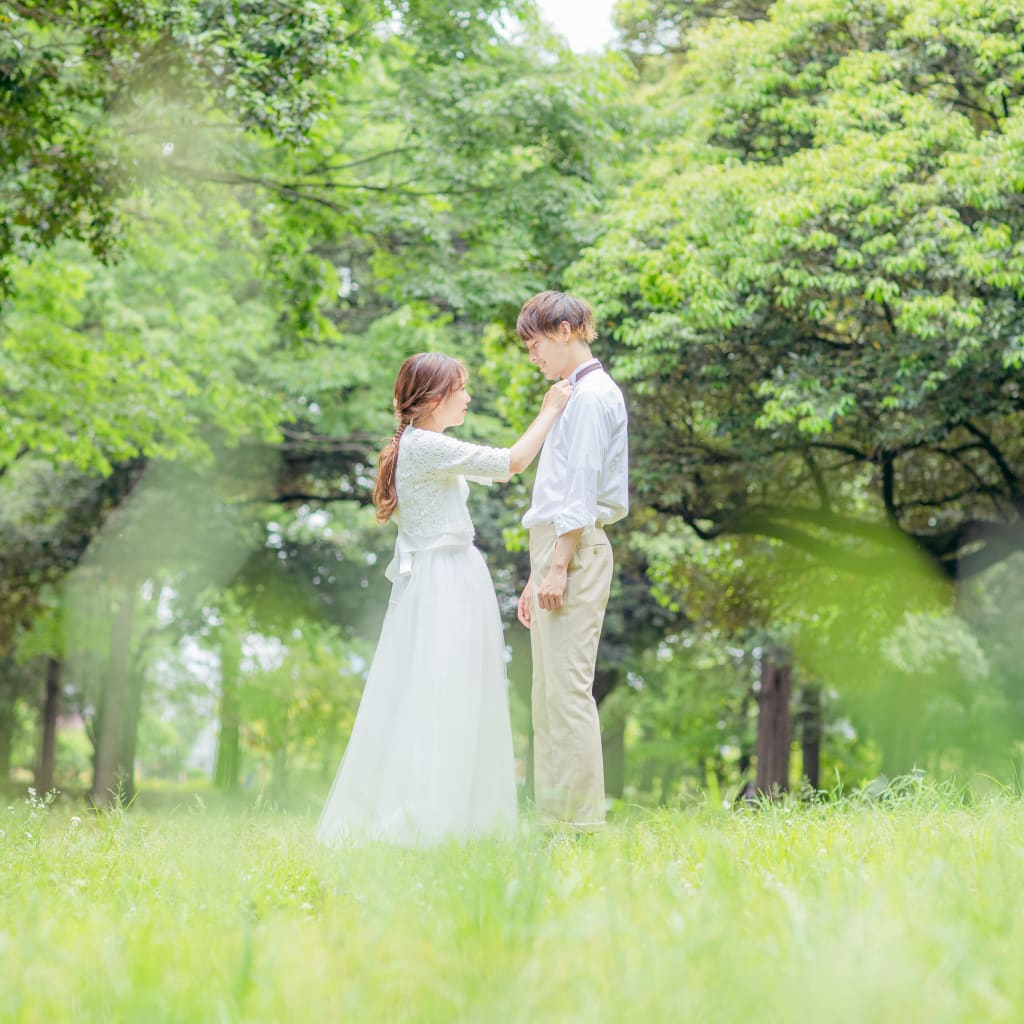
581,487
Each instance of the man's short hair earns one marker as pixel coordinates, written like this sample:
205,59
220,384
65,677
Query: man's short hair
544,312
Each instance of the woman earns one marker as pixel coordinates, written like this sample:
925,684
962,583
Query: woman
430,756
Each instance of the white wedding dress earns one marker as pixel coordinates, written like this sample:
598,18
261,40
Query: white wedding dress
430,755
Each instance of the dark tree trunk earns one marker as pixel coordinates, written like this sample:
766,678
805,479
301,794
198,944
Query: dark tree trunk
748,789
10,690
7,723
51,709
114,714
810,734
229,747
773,726
605,680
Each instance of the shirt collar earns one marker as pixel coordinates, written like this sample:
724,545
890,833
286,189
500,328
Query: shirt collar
575,373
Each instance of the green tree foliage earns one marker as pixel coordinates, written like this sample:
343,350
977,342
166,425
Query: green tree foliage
656,27
299,702
106,105
903,671
86,88
441,177
163,354
816,283
284,207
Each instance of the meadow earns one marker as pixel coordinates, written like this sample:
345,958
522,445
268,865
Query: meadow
902,909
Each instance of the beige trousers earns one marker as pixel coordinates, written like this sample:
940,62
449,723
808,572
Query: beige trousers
568,770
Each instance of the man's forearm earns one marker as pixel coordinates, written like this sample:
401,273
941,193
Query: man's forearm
565,548
551,591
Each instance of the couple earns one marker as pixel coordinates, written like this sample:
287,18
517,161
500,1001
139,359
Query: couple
430,756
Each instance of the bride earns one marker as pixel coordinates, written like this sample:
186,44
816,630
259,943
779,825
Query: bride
430,755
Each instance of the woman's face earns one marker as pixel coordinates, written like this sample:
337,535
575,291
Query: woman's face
451,411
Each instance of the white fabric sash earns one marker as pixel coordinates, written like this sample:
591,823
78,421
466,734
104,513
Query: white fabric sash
406,547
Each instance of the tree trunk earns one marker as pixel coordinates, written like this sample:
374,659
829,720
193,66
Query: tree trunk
773,726
51,709
130,730
229,748
613,746
7,722
110,734
613,734
810,734
9,692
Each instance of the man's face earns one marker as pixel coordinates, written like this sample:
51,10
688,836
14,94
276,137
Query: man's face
549,353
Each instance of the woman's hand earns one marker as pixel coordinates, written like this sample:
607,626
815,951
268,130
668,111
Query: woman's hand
557,397
522,453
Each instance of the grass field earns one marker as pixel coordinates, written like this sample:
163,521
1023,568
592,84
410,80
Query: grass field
900,910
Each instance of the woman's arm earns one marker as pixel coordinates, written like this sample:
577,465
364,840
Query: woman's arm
524,451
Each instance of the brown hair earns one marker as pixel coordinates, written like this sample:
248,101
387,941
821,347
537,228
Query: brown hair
423,380
544,312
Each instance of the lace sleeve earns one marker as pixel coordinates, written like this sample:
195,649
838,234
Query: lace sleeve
449,457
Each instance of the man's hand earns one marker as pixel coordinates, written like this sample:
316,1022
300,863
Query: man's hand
551,592
523,609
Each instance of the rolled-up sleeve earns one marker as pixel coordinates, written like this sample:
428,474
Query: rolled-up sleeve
587,434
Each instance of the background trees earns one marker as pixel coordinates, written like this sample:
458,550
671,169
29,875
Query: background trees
815,282
226,224
813,285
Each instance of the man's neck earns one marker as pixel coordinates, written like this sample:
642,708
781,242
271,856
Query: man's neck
579,357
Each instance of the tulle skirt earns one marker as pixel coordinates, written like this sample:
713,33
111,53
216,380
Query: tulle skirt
430,755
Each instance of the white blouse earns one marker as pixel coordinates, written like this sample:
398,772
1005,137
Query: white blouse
430,480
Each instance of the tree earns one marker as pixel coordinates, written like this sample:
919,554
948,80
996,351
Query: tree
816,287
88,89
272,268
654,28
299,701
312,119
174,532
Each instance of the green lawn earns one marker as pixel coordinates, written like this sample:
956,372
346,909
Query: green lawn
857,911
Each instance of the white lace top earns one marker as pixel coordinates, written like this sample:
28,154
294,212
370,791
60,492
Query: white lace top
430,479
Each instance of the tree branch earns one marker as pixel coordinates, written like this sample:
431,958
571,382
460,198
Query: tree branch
19,454
819,481
945,550
947,500
1009,476
300,190
325,165
981,486
824,551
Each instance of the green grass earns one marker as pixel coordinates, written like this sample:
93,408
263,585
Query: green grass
907,910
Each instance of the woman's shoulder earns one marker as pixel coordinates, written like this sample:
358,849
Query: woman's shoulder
415,438
420,447
428,441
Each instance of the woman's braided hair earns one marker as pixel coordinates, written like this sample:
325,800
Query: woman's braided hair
423,380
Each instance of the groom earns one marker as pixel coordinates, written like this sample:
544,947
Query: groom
581,487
